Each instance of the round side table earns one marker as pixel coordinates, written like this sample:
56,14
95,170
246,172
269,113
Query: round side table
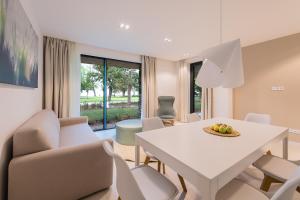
126,130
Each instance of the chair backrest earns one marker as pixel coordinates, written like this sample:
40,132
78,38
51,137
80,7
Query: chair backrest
165,105
258,118
286,192
127,186
152,123
192,117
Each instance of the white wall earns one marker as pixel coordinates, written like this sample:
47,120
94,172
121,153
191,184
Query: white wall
19,103
107,53
167,80
16,105
222,102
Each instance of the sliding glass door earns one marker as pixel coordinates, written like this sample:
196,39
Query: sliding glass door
110,91
123,91
195,91
92,91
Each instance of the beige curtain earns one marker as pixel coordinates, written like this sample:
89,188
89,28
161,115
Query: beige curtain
149,96
56,75
74,81
183,90
206,103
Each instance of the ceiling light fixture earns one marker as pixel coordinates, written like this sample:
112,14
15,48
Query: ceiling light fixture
124,26
168,40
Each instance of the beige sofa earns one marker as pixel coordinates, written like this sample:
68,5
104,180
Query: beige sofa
57,159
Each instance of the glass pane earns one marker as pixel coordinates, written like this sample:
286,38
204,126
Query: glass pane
197,89
91,96
123,93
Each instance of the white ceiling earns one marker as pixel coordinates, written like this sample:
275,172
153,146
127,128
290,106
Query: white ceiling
193,25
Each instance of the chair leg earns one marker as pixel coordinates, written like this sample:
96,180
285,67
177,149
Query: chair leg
266,183
158,166
147,160
182,182
164,168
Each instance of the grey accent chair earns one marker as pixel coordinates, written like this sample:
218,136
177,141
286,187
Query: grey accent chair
165,107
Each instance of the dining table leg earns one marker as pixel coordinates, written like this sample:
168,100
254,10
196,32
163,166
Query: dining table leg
208,192
137,155
208,196
285,148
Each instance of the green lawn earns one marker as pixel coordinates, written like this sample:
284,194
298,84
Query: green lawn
84,99
197,104
113,114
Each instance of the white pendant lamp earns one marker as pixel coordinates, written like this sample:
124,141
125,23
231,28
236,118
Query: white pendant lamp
222,65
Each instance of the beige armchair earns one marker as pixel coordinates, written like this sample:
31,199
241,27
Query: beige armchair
57,159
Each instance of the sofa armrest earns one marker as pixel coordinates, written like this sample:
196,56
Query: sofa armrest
63,173
73,120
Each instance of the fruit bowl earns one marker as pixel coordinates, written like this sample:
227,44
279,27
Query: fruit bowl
221,130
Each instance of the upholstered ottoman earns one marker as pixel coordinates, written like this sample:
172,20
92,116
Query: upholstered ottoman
126,131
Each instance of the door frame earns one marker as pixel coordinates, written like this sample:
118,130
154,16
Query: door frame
104,113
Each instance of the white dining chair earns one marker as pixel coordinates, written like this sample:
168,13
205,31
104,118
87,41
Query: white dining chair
275,170
149,124
263,119
140,183
192,117
153,123
238,190
258,118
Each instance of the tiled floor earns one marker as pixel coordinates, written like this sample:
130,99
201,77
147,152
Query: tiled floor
107,134
252,176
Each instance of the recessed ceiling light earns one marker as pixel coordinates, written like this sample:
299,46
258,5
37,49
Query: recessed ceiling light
124,26
168,39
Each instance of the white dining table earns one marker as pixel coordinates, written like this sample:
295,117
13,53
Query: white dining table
208,161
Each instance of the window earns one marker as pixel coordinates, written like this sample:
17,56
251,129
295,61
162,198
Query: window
110,91
195,91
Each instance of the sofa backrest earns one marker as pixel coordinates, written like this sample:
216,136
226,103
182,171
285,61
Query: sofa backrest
39,133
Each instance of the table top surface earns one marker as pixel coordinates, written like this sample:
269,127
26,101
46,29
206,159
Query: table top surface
130,123
207,154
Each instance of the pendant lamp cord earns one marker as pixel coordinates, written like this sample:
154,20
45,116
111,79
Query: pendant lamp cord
221,22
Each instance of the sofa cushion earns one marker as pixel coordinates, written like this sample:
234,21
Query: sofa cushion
39,133
76,135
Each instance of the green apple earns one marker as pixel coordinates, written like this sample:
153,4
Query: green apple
223,129
229,129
